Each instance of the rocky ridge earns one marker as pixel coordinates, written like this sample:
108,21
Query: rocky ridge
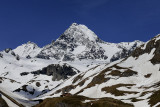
78,43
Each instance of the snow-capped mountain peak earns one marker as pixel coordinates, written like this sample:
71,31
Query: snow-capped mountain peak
76,42
79,64
77,30
29,48
79,42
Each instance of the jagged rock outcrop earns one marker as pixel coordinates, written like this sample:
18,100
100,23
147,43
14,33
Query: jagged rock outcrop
57,71
1,55
8,50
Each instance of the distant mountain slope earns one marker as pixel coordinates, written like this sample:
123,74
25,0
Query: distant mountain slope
29,49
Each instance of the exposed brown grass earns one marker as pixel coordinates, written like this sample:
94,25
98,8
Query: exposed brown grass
65,89
144,93
115,73
11,99
82,82
3,103
135,99
154,98
11,80
109,102
79,77
148,75
128,72
113,90
38,84
78,101
100,78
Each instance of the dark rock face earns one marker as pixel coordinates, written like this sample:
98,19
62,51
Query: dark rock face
152,44
24,73
94,53
137,52
68,57
57,71
28,57
7,50
1,55
124,53
12,53
17,57
119,55
24,88
156,58
42,56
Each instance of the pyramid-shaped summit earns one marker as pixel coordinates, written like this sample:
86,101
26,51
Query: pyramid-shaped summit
79,31
77,42
80,43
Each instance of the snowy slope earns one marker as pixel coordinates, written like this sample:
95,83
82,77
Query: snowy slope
30,72
133,80
28,49
30,86
120,50
10,103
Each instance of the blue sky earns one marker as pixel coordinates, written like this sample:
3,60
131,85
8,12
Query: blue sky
42,21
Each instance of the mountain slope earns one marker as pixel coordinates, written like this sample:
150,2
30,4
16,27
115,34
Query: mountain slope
75,58
79,42
28,50
29,78
133,80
